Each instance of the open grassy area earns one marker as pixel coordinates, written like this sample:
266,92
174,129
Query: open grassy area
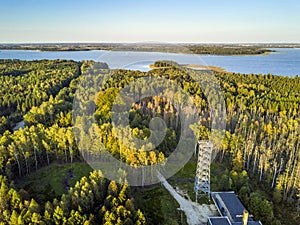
159,207
188,171
50,182
184,179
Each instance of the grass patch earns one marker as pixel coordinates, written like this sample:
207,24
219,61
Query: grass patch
184,179
188,171
159,207
47,183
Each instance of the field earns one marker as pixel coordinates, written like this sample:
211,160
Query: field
52,181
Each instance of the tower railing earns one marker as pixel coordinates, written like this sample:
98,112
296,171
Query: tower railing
202,179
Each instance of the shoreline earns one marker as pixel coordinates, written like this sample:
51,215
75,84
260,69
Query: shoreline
193,49
134,50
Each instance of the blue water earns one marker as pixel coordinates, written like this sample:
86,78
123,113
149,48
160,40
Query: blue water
285,61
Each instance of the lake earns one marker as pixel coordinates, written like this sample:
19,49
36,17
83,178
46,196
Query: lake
286,61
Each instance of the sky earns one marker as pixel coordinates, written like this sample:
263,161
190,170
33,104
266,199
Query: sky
197,21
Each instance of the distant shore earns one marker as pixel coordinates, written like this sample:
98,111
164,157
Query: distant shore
201,49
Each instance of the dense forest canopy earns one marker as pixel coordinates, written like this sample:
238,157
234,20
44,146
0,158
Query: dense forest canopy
25,85
259,147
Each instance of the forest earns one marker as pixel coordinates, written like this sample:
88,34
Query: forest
258,157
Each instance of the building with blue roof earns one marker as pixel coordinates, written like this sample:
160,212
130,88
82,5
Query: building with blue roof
232,211
218,221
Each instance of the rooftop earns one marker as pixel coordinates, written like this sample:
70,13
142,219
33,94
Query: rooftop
230,208
218,221
249,223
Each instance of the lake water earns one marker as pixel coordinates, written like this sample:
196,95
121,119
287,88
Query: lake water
285,61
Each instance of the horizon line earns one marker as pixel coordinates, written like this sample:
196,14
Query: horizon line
140,42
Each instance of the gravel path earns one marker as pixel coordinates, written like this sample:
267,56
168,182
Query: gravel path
196,214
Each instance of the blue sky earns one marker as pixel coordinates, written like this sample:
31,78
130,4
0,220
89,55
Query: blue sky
208,21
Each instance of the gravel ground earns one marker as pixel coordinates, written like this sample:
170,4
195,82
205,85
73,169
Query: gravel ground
196,214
